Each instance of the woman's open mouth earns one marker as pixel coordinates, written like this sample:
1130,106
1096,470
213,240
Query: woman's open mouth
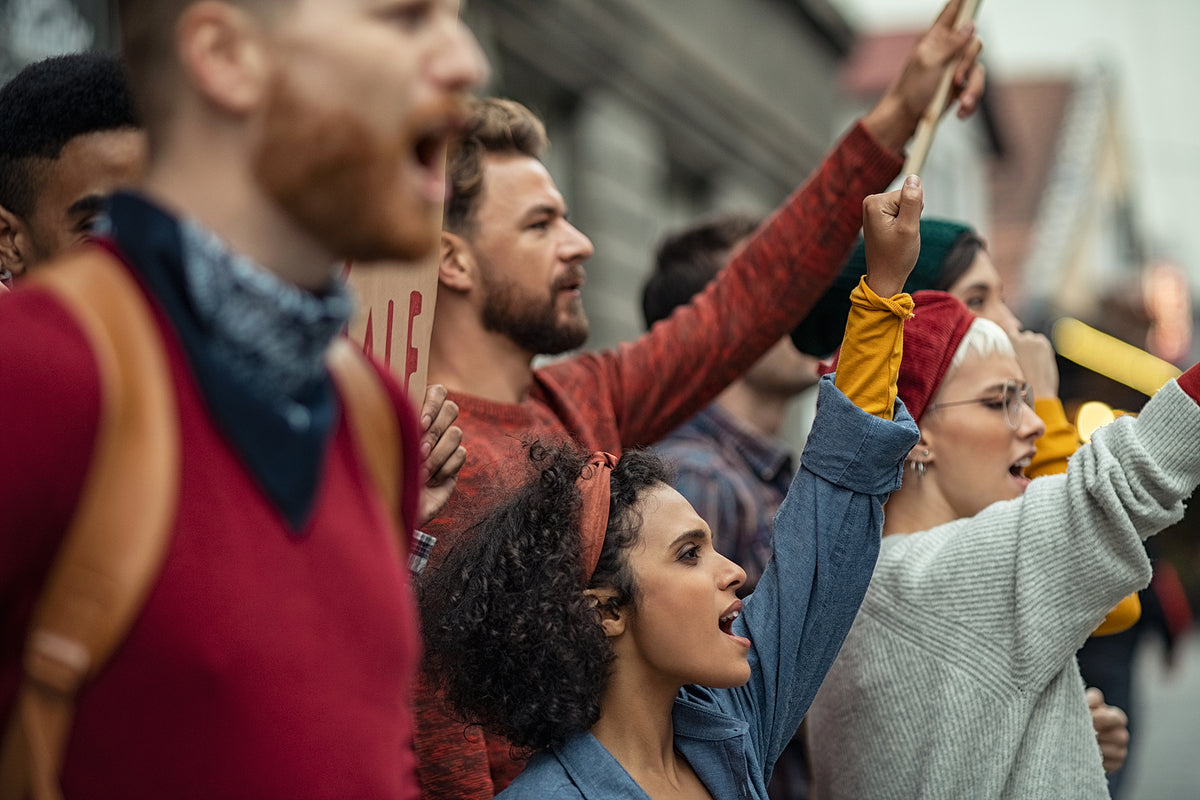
725,623
1017,470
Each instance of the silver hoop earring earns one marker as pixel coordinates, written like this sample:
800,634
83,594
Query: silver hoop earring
918,467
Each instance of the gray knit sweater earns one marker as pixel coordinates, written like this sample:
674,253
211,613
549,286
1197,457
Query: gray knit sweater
958,678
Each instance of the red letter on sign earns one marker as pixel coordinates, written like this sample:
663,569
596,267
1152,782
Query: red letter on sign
411,353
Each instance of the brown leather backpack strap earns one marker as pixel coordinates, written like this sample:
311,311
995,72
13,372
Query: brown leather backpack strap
113,550
373,423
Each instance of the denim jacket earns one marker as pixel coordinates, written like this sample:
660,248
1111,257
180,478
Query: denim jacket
826,540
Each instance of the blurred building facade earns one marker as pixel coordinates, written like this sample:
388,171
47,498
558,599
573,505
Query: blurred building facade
31,30
663,110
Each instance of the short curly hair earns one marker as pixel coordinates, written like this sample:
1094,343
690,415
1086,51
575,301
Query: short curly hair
511,638
494,125
49,103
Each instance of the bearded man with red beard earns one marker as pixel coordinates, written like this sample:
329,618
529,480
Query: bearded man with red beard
275,652
511,273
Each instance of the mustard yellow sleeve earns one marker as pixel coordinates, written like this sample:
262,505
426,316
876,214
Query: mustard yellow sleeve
1058,443
1122,616
869,363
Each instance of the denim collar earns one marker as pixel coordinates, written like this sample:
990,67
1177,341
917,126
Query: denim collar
698,728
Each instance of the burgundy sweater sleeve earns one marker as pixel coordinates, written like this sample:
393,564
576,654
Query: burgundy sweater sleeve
50,390
660,380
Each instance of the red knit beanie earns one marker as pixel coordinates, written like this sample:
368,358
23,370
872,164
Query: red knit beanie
931,337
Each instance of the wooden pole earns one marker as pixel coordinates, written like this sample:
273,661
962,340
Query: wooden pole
923,138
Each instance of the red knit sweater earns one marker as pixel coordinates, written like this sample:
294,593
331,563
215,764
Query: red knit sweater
263,665
636,394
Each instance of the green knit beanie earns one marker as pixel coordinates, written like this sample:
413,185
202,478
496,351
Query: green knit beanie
820,333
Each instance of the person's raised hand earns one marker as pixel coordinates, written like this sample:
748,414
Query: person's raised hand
442,453
892,236
1035,354
1112,730
895,117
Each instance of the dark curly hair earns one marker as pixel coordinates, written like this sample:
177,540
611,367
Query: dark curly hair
511,639
49,103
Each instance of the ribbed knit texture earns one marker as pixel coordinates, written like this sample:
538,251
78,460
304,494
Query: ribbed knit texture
958,678
939,323
634,395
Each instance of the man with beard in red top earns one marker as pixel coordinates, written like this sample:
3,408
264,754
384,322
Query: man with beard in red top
511,271
274,654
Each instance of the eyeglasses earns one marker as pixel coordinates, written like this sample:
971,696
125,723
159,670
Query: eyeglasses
1012,398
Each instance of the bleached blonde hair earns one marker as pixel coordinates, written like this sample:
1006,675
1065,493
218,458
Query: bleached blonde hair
984,338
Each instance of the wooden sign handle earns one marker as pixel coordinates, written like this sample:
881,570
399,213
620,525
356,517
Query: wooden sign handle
923,138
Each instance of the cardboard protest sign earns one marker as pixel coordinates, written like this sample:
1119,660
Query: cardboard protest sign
394,319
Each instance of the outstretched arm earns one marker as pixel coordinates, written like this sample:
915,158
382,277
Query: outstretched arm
654,383
827,530
1037,573
869,360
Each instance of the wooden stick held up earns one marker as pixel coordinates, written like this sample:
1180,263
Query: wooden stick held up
923,138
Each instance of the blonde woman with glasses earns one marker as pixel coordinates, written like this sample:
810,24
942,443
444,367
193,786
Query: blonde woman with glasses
958,678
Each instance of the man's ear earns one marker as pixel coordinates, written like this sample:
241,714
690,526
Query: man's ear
612,617
225,54
14,242
456,267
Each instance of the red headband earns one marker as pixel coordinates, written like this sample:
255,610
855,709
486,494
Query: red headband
593,484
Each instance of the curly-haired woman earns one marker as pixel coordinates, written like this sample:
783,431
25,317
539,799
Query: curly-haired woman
592,623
